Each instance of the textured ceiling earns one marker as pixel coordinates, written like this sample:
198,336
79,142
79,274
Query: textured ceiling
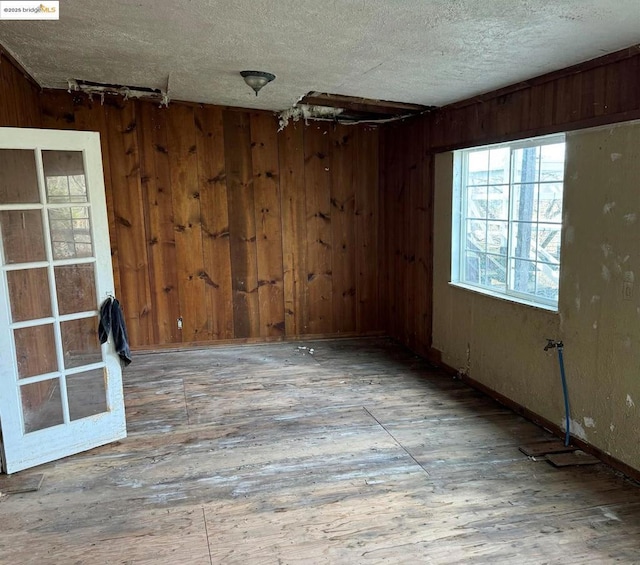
429,52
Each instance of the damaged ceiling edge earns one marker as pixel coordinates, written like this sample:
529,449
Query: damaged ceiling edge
349,109
313,106
101,89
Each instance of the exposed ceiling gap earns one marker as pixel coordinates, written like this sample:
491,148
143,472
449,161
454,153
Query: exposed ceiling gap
421,53
357,108
101,89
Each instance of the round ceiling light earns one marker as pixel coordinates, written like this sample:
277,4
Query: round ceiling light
257,79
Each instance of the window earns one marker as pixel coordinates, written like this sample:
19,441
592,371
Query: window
508,217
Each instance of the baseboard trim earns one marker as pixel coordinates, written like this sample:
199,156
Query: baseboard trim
435,357
182,346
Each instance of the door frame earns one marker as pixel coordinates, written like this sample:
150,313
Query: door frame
73,436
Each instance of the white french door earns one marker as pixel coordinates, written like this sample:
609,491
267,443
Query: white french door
60,390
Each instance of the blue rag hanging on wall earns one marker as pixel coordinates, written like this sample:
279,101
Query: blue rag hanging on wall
112,320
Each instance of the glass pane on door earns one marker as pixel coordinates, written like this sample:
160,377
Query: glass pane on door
41,405
18,181
29,294
64,176
70,232
76,286
87,394
80,342
35,350
22,236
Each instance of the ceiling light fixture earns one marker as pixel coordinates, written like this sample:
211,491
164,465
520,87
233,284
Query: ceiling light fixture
257,79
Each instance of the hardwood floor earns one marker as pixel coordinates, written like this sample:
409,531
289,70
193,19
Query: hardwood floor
356,452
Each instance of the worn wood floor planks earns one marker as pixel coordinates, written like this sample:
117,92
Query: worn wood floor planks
357,453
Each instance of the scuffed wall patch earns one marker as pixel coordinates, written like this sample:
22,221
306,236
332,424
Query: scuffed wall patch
467,368
606,209
576,429
630,218
616,156
589,422
630,402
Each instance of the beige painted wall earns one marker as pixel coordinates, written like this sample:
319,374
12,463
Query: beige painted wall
500,343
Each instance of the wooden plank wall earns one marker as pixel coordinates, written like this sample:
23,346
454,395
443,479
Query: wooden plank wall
252,234
406,233
244,232
19,103
603,91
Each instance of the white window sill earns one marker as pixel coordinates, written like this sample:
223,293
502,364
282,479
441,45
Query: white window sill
505,297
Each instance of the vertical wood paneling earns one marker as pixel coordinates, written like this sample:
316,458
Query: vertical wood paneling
411,244
421,234
598,92
406,204
167,177
588,95
215,221
629,83
614,80
294,229
594,93
392,209
160,233
367,257
19,103
266,193
425,255
8,91
400,229
384,231
57,111
242,224
185,196
130,222
317,166
563,94
343,229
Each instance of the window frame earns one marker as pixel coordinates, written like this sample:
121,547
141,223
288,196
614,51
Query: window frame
460,218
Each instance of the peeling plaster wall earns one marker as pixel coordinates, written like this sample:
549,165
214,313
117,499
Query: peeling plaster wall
600,303
500,343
